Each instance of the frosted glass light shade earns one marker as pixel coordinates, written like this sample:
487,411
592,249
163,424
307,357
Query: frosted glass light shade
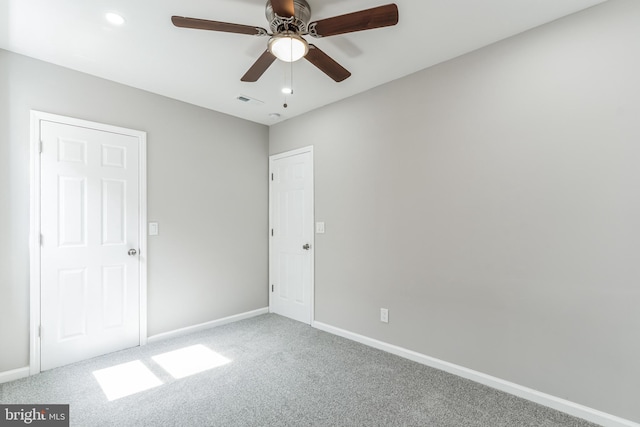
288,47
114,19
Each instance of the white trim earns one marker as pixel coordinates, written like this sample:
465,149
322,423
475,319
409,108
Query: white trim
14,374
207,325
34,247
548,400
308,149
34,237
291,153
142,233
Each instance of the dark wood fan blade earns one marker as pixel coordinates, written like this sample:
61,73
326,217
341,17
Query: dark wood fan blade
382,16
259,67
326,64
283,8
203,24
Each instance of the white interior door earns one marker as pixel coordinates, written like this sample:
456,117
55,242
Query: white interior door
291,249
89,275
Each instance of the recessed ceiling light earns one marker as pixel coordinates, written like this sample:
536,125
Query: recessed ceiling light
287,90
114,18
274,116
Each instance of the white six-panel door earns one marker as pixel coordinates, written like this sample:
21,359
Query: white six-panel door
291,248
89,276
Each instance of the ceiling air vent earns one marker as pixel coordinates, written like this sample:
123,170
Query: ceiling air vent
248,100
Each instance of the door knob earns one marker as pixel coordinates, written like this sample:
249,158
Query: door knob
306,247
132,252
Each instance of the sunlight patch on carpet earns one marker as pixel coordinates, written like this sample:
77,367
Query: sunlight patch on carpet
190,360
126,379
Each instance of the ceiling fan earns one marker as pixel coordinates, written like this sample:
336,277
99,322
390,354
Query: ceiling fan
289,21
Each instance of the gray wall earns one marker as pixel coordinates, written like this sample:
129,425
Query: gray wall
492,203
207,188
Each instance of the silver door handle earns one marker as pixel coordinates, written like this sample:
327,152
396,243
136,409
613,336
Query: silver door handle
306,247
132,252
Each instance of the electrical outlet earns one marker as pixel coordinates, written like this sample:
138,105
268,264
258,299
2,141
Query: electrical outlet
384,315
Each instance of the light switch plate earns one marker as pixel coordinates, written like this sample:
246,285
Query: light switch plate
153,229
319,227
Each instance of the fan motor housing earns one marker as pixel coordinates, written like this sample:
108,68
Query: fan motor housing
297,23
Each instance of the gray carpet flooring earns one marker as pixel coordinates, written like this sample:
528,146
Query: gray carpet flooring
282,373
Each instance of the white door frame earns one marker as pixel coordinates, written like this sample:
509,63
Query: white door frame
272,158
34,237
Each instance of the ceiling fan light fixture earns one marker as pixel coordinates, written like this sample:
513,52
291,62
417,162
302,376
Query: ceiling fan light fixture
288,47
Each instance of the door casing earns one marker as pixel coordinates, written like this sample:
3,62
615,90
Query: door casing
35,218
272,158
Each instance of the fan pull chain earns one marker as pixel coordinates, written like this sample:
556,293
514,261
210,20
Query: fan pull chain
290,87
286,89
291,72
291,68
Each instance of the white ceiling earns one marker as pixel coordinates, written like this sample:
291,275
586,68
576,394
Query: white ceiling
204,67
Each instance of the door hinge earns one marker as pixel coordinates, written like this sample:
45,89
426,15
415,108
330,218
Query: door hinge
271,177
40,331
271,288
272,232
41,239
40,147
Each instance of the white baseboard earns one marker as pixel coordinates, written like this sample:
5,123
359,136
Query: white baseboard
206,325
14,374
557,403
